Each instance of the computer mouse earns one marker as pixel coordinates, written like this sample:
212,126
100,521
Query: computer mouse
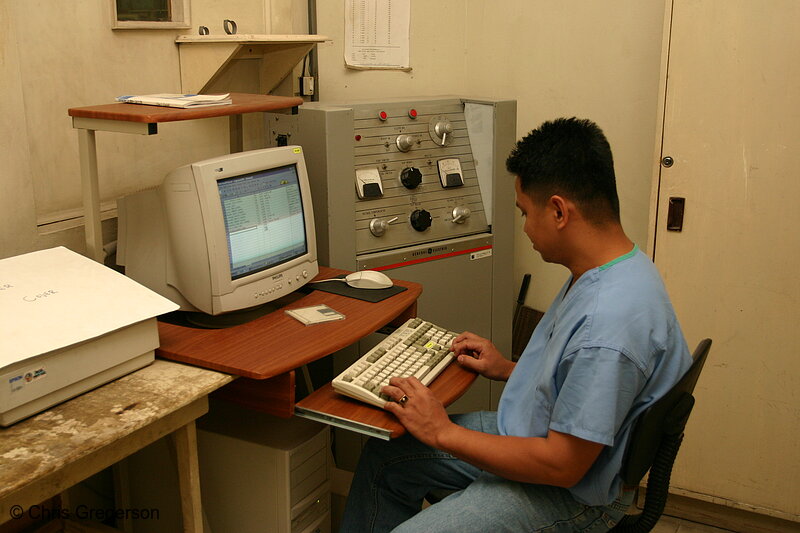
368,279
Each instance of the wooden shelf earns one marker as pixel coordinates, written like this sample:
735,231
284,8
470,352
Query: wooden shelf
246,62
242,103
329,407
143,120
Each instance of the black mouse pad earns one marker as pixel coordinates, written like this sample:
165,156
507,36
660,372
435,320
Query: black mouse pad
343,289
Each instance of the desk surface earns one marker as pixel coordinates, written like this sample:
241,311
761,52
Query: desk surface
277,343
242,103
89,432
269,348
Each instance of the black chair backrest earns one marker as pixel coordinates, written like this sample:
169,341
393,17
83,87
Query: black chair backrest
667,416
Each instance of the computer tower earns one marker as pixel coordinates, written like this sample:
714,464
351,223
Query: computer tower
262,474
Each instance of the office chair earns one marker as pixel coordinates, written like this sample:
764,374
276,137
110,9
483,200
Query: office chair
654,443
525,321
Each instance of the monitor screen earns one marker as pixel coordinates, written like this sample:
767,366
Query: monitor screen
264,222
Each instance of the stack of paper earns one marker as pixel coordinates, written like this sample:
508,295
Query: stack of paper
177,100
69,324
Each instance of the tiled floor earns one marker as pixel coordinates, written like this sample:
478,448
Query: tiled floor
668,524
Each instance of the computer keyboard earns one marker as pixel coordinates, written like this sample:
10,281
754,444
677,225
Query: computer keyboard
417,348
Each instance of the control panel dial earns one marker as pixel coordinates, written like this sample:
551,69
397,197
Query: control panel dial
421,220
405,142
411,177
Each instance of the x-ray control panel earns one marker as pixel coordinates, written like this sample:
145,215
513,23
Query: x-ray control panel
414,175
417,188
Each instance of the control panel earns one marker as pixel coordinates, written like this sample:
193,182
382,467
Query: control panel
417,187
414,175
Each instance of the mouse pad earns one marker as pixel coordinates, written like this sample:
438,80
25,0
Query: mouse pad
343,289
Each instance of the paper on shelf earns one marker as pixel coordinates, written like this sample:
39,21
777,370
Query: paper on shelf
177,100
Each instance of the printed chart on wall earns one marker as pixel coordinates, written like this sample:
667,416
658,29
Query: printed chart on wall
377,34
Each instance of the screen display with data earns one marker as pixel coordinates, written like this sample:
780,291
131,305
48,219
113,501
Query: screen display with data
264,220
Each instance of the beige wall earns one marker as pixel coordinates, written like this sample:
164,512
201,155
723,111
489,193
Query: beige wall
596,60
55,55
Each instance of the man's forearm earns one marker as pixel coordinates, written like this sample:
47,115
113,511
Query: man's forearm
559,459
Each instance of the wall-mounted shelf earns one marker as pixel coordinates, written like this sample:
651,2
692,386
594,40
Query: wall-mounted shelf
240,63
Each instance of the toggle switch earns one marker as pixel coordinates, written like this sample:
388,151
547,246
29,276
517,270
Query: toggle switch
461,214
378,227
441,131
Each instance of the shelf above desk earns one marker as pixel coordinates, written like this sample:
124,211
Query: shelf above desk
143,120
209,62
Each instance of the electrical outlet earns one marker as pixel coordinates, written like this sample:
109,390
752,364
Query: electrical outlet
307,85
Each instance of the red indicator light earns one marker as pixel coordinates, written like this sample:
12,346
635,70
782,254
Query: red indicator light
412,113
358,137
382,115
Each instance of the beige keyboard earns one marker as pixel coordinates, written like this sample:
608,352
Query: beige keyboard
417,348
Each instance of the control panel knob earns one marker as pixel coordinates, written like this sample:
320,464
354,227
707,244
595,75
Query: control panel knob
442,129
460,214
405,142
411,177
378,227
421,220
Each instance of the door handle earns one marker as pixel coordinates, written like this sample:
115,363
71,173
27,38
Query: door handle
675,213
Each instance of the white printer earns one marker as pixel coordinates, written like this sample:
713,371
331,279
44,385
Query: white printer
69,324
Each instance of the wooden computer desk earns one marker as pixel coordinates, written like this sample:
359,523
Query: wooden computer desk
266,352
46,454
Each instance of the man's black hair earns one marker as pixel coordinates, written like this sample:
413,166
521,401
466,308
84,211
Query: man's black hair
569,157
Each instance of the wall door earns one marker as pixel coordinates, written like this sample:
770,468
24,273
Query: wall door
731,124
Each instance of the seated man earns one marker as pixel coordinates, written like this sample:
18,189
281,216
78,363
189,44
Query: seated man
607,348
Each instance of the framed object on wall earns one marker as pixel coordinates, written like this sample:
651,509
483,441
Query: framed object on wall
149,14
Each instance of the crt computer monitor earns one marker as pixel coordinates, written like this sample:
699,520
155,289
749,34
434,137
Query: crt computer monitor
225,234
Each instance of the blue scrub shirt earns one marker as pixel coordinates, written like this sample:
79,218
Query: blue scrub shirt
606,349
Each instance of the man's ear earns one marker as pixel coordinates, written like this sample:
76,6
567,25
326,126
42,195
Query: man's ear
561,210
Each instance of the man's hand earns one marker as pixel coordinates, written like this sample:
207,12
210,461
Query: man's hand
479,354
417,409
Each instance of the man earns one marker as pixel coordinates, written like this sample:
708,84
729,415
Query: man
607,348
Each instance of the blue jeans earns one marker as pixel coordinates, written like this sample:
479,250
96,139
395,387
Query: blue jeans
393,478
